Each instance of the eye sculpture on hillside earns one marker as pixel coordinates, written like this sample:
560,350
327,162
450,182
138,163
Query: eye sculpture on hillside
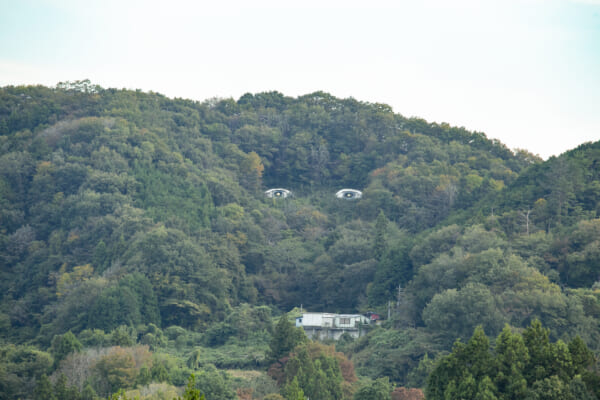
349,194
278,193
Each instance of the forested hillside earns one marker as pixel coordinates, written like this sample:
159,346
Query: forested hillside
137,246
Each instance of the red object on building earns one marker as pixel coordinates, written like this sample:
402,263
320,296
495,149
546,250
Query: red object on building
373,316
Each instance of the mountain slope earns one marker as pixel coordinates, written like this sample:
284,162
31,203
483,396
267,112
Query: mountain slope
123,208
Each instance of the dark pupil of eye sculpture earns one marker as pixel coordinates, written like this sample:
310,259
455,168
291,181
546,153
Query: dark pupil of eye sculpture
349,194
278,194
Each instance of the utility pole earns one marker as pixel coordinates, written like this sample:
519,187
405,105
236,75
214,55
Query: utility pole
400,296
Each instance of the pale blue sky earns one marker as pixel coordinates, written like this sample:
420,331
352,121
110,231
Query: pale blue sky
525,72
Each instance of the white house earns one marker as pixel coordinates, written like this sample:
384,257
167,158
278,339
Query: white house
331,326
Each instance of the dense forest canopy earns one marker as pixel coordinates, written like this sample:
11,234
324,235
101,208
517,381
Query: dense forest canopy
135,227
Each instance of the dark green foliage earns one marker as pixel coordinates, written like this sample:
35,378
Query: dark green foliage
394,271
521,366
122,212
418,376
94,338
380,244
20,366
191,393
316,371
379,389
392,353
115,306
62,345
456,313
166,196
214,384
559,192
285,338
244,322
63,391
292,390
579,267
43,389
123,336
131,302
159,373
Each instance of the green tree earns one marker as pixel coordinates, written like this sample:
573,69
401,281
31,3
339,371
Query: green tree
160,373
379,389
537,341
458,312
193,360
273,396
486,390
523,366
455,376
393,269
63,391
116,370
285,338
191,392
251,170
114,307
380,244
579,391
512,357
417,377
550,388
123,336
292,390
581,355
63,345
317,369
43,389
214,384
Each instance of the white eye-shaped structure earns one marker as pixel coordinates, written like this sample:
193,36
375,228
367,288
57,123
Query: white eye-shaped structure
349,194
278,193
